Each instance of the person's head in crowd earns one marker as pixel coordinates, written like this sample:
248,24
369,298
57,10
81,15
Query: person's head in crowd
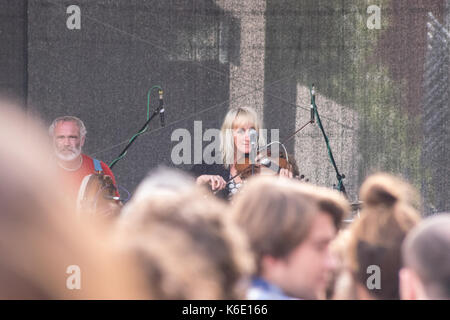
185,243
289,229
398,190
374,255
334,204
342,286
235,133
45,253
426,260
68,134
162,182
158,191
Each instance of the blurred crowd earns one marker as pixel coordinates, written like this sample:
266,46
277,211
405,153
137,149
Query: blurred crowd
279,238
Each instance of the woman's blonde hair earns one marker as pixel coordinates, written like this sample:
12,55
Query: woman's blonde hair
164,233
386,218
236,117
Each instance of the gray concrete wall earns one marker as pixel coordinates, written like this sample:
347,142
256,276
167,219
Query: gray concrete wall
13,53
102,73
214,54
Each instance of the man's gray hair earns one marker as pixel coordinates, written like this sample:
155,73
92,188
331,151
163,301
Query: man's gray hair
80,124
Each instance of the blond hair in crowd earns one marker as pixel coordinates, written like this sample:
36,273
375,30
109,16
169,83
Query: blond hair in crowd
155,191
184,242
386,218
342,286
327,200
274,215
287,223
288,208
338,208
42,244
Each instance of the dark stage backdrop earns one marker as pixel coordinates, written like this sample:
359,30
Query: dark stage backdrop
382,90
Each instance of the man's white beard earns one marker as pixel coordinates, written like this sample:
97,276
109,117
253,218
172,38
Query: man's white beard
68,157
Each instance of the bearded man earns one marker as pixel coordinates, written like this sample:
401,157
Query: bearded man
69,135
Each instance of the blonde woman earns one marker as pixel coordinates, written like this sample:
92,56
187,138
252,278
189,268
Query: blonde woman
235,143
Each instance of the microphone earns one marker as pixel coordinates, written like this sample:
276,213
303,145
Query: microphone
313,102
161,108
253,145
269,164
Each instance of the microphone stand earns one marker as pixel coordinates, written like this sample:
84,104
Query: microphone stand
315,112
301,128
313,102
124,151
252,157
339,176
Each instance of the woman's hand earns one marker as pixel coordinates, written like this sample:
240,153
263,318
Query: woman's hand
216,182
285,173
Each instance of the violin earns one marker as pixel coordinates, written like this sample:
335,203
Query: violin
245,168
